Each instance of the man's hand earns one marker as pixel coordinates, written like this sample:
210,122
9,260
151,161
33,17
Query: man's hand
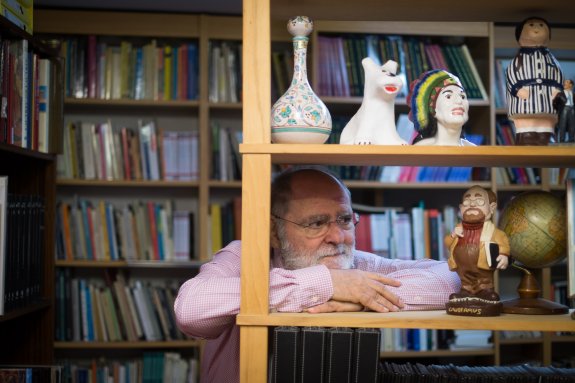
457,232
502,261
365,288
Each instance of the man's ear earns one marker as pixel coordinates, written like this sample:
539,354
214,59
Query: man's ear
493,207
274,240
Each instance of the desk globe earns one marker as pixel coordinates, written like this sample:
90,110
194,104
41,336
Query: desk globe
535,223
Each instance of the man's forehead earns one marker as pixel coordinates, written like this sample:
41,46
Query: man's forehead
476,192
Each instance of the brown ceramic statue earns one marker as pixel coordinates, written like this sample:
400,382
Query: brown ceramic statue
476,248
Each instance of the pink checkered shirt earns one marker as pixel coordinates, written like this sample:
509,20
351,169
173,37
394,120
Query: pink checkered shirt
207,305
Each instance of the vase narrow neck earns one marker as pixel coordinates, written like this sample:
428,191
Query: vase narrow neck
300,57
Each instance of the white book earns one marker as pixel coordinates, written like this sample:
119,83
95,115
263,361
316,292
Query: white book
44,84
472,339
417,232
402,236
188,151
181,235
380,233
145,310
171,154
3,214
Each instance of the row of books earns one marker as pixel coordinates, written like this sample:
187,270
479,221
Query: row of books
417,234
404,174
19,12
94,310
560,293
320,354
282,70
500,84
225,71
396,339
341,71
27,96
226,157
138,231
106,152
525,334
31,373
505,135
21,248
417,372
100,69
152,367
225,223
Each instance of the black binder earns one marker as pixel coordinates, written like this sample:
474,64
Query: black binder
338,358
365,357
285,348
313,343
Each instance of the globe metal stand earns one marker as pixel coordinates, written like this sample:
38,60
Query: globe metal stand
529,301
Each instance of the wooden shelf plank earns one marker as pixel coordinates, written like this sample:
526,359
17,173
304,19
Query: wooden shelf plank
477,156
556,11
96,102
438,319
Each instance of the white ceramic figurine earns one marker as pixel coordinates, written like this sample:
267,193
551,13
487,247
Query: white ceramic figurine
374,122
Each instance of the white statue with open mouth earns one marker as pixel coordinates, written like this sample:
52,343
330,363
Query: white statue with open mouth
374,122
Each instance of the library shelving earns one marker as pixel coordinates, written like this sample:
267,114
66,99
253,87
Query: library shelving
251,108
28,191
101,108
259,155
178,112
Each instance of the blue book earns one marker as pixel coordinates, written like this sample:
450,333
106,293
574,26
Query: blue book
192,71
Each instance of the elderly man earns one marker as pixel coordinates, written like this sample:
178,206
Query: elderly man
314,268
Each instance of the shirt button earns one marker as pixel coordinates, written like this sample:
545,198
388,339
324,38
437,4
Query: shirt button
417,299
315,299
539,81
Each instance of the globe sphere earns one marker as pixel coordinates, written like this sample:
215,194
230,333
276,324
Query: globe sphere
535,223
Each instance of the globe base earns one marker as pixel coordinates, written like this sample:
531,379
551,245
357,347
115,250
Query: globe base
529,302
533,306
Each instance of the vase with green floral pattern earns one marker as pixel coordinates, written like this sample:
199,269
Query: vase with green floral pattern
299,116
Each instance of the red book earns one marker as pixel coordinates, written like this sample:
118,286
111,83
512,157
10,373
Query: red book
363,234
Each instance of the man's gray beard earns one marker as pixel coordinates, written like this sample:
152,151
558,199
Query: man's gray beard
298,259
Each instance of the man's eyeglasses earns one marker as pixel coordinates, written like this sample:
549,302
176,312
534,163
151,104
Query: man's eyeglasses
477,202
320,227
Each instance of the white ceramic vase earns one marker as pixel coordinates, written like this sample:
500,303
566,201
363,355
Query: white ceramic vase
299,116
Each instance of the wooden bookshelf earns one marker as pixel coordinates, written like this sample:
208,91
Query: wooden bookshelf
28,326
259,154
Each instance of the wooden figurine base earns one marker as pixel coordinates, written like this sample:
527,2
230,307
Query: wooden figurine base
473,307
